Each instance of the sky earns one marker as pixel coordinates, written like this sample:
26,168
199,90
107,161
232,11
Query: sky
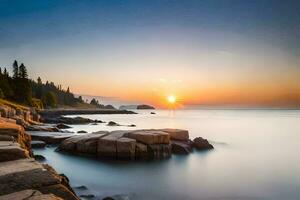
204,52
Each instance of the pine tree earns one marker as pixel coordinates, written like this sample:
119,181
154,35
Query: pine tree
39,81
5,72
15,70
23,71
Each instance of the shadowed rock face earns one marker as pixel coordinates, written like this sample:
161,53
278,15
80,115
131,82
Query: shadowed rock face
202,144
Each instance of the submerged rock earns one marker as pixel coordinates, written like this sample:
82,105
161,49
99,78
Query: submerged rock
50,137
202,144
38,144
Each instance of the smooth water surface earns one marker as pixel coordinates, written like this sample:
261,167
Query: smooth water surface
256,156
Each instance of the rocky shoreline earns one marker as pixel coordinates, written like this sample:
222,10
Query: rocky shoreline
23,177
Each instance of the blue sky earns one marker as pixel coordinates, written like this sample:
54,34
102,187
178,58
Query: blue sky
97,46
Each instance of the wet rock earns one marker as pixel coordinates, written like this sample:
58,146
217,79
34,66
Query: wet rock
62,126
202,144
81,187
132,125
152,113
39,158
87,196
81,131
38,144
108,198
112,123
181,147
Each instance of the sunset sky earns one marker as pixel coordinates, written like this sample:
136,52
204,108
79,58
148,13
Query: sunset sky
209,52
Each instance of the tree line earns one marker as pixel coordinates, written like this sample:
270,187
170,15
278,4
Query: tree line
19,88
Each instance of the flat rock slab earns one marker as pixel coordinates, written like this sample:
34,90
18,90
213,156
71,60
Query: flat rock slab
12,151
50,137
29,195
27,174
149,136
177,134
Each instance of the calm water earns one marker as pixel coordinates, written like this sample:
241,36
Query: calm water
256,156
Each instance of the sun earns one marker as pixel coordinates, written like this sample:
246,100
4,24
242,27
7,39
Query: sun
171,99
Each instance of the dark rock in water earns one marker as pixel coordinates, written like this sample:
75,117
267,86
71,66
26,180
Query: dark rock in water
109,107
81,187
87,196
141,107
62,126
202,144
66,120
152,113
38,144
132,125
112,123
39,158
95,123
181,147
81,132
108,198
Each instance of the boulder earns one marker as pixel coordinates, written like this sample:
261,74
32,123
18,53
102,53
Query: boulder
177,134
181,147
126,148
159,151
38,144
81,131
111,123
202,144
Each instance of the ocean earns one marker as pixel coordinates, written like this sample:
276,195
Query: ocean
256,157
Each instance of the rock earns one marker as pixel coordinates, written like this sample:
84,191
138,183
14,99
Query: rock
29,195
108,198
17,133
82,187
38,144
12,151
109,107
141,151
152,113
132,125
87,196
111,123
144,107
50,137
126,148
181,147
62,126
26,174
81,131
39,158
82,144
202,144
177,134
159,151
43,128
149,136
